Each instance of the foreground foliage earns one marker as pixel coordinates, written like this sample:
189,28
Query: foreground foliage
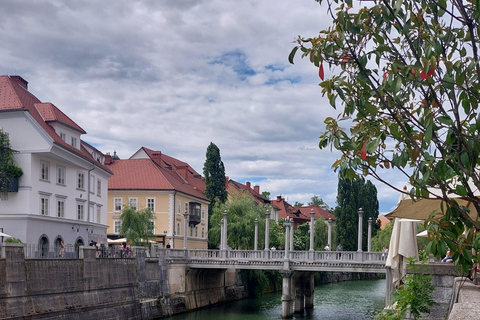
405,78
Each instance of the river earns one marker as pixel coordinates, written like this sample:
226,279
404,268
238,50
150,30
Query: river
352,300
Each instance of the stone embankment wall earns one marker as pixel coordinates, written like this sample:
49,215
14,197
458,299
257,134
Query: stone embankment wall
90,288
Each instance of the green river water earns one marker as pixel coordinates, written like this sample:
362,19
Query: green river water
352,300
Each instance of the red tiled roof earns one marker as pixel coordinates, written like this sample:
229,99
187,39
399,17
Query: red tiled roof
318,212
234,186
51,113
145,174
183,171
14,96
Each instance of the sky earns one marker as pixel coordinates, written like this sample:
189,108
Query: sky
176,75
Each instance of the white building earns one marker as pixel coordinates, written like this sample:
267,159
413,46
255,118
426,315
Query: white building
62,195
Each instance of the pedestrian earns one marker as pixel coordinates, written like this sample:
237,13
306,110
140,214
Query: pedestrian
327,247
62,249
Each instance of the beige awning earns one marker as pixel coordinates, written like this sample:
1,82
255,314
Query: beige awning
422,208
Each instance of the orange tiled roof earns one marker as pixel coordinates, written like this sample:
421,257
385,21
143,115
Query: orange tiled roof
51,113
234,186
319,212
15,96
145,174
183,170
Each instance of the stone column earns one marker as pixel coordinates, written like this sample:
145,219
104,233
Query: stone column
287,224
185,227
369,241
360,224
222,246
267,230
312,228
291,235
225,244
255,246
330,223
287,308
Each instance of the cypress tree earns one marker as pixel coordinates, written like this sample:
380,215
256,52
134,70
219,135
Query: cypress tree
214,172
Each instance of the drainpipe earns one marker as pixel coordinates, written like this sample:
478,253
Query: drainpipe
88,193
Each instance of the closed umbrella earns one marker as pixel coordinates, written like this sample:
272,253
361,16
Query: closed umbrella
403,245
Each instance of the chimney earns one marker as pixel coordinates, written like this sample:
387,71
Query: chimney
248,185
22,82
108,159
257,188
157,157
279,198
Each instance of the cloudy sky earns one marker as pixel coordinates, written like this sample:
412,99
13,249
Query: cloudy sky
175,75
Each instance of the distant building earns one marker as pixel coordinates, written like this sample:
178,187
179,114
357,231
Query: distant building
62,195
169,187
384,220
233,186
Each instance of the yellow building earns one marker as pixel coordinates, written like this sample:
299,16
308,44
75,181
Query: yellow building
169,187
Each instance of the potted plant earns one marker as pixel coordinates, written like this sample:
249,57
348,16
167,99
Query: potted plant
9,171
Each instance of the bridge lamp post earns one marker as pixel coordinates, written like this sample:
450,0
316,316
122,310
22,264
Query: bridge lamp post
255,245
312,228
360,224
221,234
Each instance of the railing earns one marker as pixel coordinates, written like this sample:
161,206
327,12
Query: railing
275,255
37,251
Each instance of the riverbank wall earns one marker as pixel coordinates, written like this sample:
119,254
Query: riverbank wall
132,288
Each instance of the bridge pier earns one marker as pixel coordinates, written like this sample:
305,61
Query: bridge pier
287,303
304,288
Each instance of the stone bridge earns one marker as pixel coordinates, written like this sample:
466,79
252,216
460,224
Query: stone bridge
296,267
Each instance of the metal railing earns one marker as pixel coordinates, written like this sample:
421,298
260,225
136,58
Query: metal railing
37,251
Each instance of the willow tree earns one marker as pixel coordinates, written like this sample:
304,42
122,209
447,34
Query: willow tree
137,225
405,74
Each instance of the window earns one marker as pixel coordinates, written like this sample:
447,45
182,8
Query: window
63,136
186,207
117,204
133,203
81,180
74,142
44,205
117,226
61,175
178,228
191,231
196,231
92,183
44,171
203,232
80,211
179,205
99,187
61,208
151,204
99,214
203,213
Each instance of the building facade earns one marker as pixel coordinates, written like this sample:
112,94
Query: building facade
62,194
170,188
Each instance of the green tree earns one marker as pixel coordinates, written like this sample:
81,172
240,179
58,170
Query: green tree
266,194
382,238
214,172
301,237
298,204
405,74
242,211
353,194
320,239
137,225
316,201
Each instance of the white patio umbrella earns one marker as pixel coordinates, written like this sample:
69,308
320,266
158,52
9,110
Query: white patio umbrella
5,235
121,240
403,244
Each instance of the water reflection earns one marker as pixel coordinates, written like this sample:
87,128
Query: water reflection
354,300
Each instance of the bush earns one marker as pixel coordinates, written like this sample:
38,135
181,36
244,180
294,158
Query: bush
13,240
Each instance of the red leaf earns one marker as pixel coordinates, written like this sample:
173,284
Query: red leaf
320,71
426,76
385,74
363,153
